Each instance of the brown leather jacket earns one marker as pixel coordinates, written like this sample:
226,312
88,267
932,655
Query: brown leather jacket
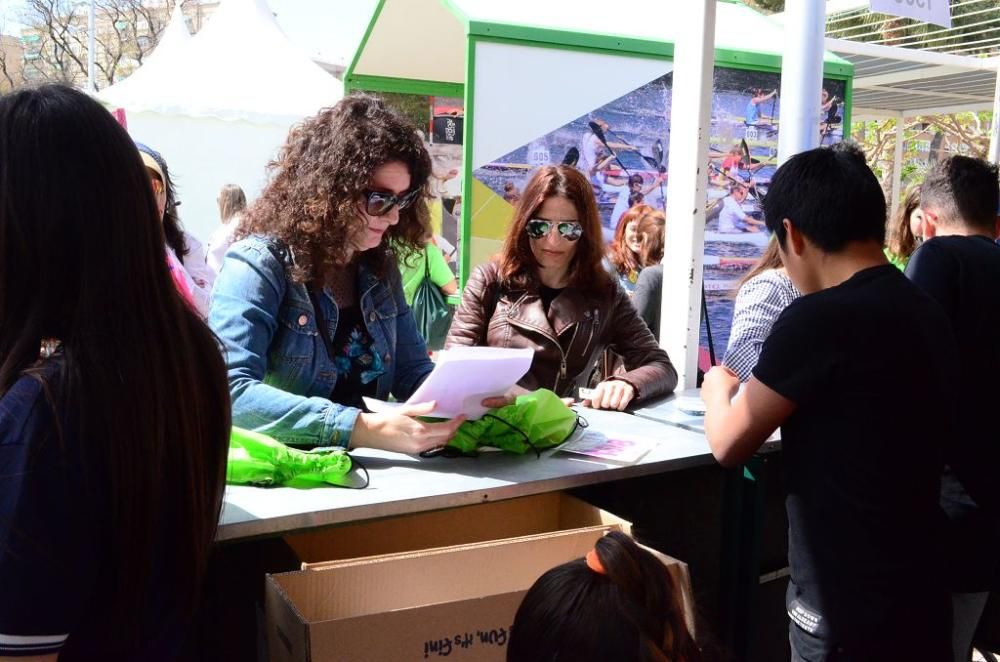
568,341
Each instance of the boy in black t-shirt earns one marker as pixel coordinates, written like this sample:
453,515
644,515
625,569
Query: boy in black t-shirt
858,374
959,266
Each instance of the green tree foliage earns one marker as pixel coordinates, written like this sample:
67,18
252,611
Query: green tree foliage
965,34
958,133
414,106
767,6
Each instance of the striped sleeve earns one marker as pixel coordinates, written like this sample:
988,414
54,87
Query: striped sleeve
758,304
14,645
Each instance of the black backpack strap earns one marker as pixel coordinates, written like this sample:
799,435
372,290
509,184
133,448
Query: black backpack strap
492,299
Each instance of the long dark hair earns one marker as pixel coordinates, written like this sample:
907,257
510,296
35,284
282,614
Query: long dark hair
516,263
138,377
320,177
173,229
631,611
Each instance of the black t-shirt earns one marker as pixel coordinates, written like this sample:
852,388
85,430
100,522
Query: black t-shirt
358,365
548,295
867,364
963,275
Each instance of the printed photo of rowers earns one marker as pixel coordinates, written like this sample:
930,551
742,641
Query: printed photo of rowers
622,147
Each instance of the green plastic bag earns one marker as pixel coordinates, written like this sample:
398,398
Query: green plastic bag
535,421
256,459
430,308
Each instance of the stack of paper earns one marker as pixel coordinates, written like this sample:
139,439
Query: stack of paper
463,377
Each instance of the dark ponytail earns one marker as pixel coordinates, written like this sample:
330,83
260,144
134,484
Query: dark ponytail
629,609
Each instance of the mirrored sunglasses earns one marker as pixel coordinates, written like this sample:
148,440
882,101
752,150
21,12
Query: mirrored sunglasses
568,230
380,203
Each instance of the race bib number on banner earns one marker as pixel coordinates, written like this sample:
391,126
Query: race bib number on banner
937,12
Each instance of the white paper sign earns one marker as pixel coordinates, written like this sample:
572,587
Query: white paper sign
937,12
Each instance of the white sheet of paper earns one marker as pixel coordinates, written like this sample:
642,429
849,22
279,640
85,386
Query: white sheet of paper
463,377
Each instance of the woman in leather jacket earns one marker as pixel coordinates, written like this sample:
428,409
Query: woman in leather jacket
548,290
309,304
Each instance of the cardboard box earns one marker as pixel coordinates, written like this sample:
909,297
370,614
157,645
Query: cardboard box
457,602
483,522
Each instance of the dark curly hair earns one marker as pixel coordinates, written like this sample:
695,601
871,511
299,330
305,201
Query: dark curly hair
311,202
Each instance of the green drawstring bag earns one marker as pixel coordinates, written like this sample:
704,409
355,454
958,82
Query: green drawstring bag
535,421
256,459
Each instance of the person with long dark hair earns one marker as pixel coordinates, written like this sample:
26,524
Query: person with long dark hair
309,303
114,412
618,603
548,291
185,254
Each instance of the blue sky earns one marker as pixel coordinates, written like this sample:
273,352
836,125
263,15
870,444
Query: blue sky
329,29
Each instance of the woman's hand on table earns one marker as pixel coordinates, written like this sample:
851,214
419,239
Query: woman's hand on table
611,394
400,431
510,397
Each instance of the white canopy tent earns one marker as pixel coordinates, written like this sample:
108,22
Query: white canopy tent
218,105
896,82
932,73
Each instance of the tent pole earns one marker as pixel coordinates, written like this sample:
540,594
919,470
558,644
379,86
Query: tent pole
691,104
897,164
994,154
91,41
801,77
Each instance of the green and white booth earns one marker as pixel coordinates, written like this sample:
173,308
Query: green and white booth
530,79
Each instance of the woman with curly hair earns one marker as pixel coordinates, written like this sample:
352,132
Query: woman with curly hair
309,304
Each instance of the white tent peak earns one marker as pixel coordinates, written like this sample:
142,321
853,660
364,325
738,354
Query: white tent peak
240,66
176,33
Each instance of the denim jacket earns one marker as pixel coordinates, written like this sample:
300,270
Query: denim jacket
280,374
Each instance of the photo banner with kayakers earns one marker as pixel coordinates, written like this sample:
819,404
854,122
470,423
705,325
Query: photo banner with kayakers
622,148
